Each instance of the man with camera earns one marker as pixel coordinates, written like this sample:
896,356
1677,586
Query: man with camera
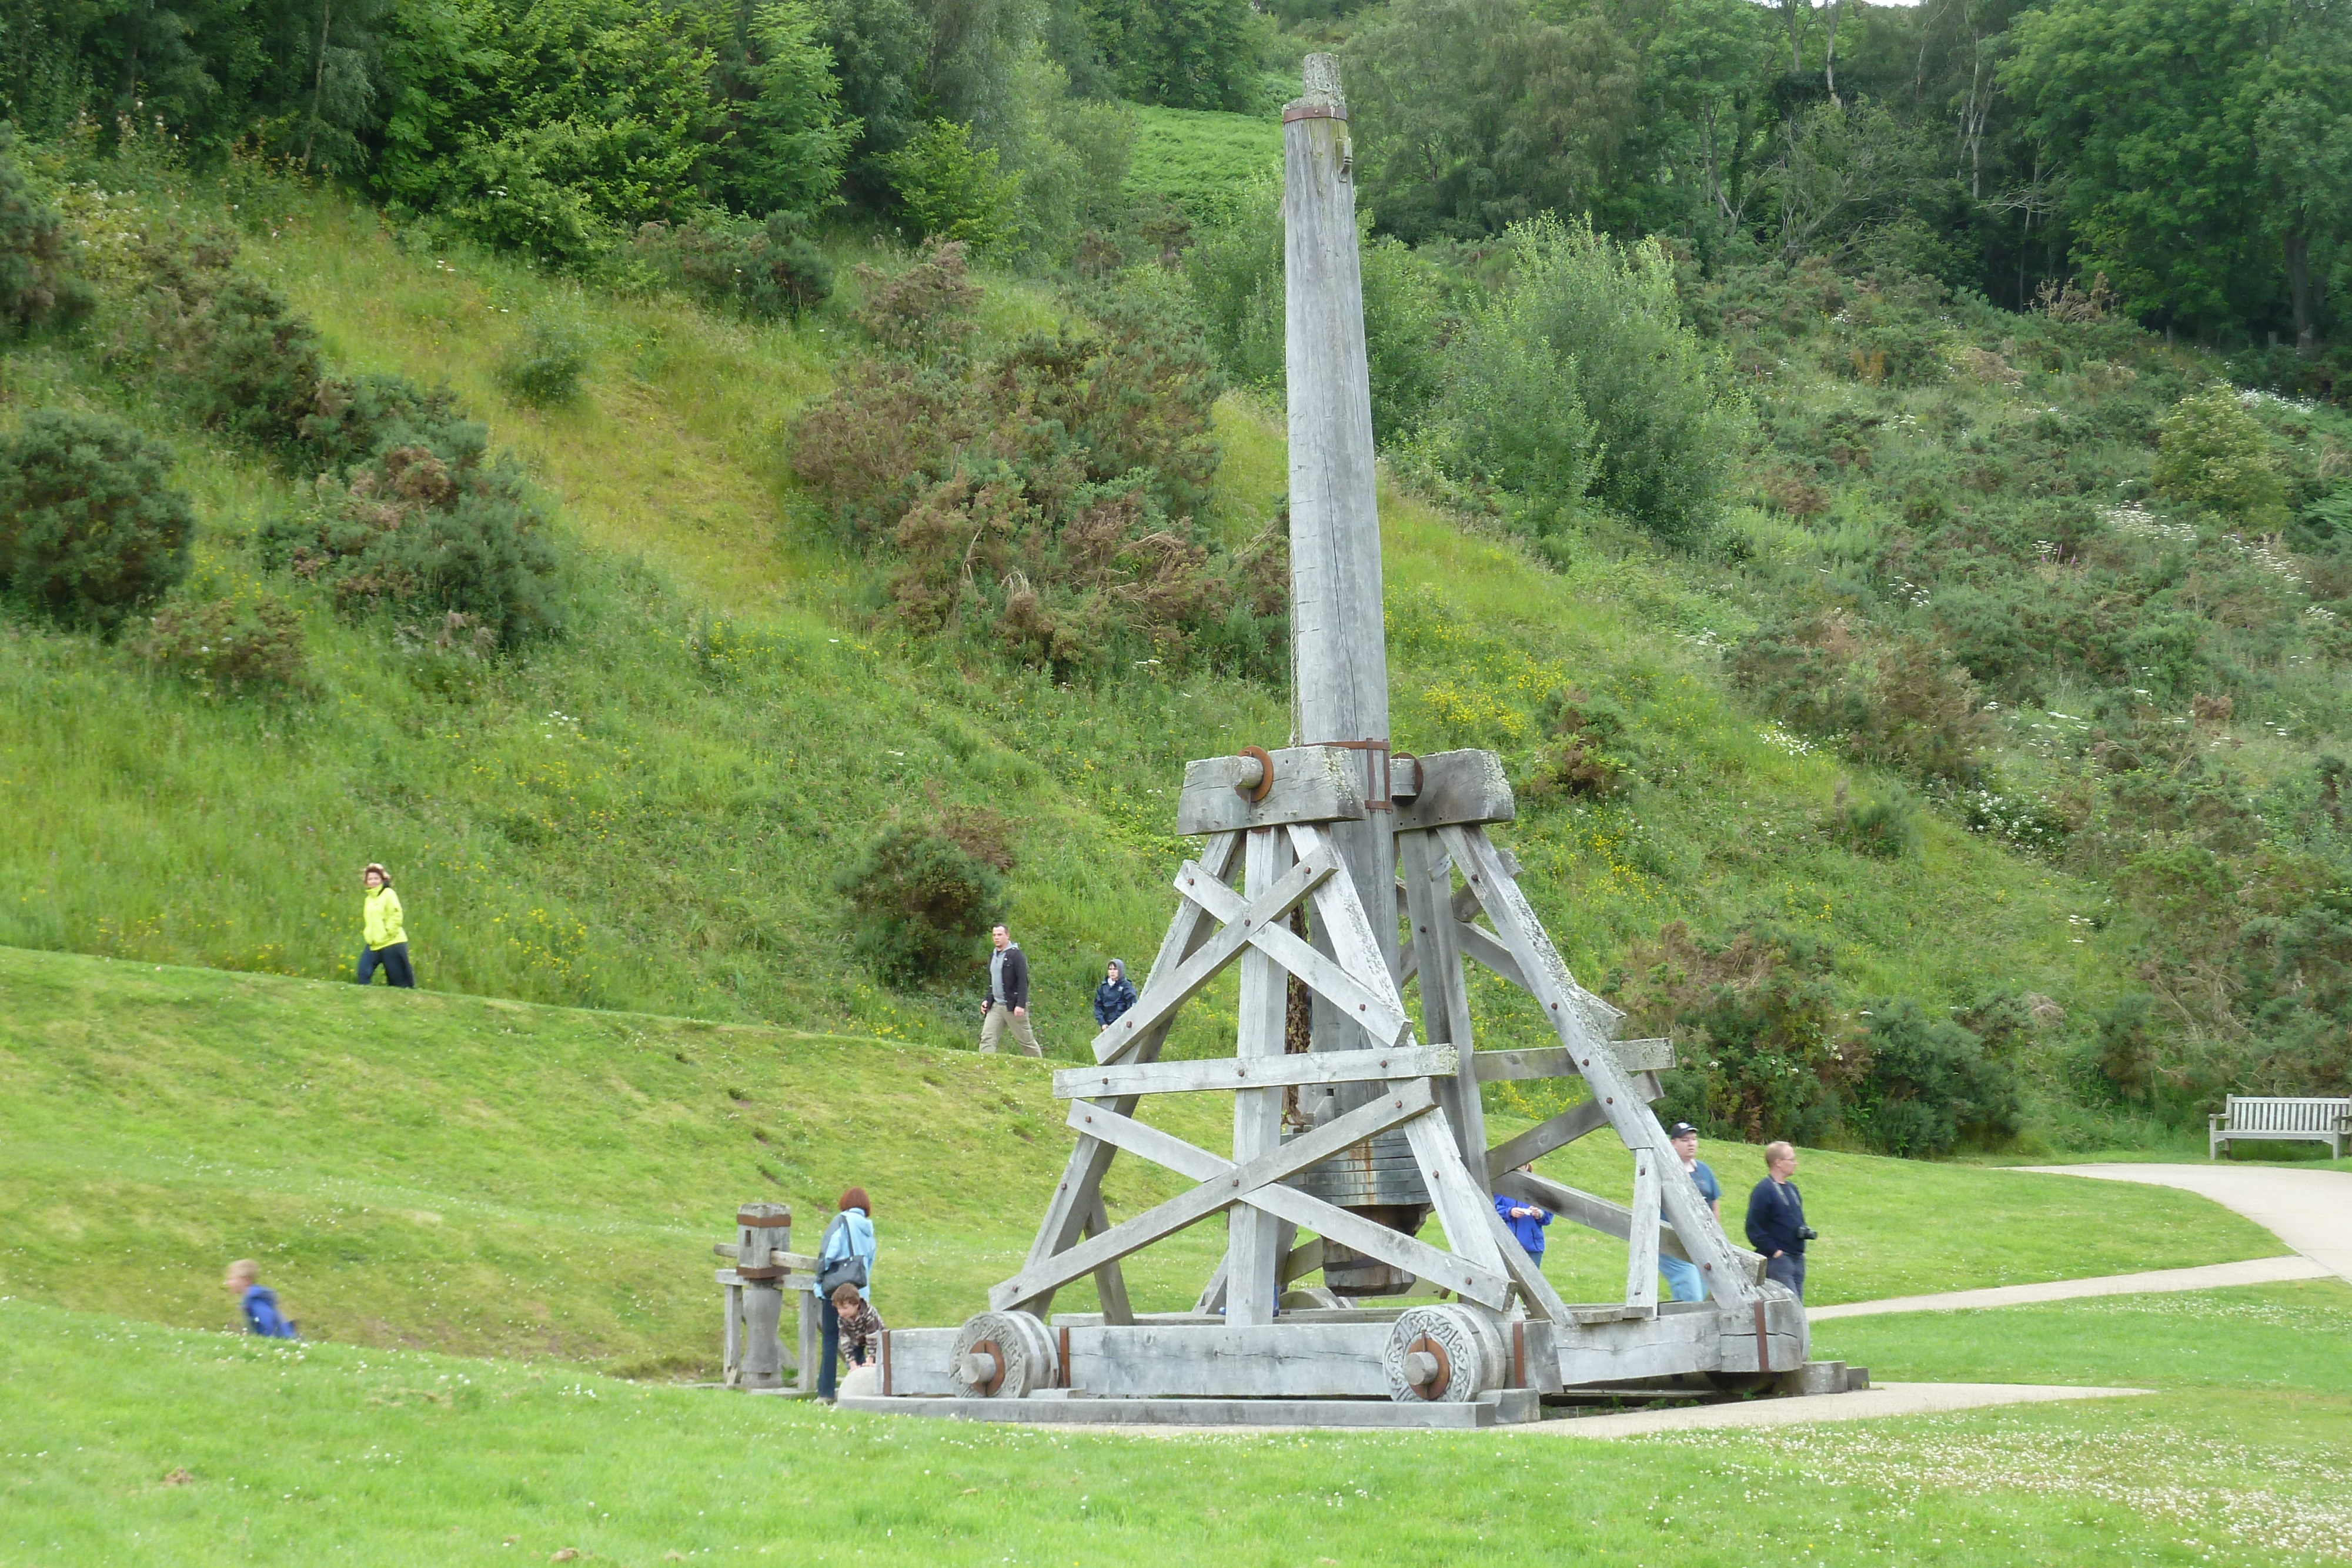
1776,1219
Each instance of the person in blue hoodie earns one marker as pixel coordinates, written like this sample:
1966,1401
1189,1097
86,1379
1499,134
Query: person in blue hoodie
258,1301
848,1240
1114,995
1527,1221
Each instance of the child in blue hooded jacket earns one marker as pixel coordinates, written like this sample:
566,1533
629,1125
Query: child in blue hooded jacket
258,1301
1527,1221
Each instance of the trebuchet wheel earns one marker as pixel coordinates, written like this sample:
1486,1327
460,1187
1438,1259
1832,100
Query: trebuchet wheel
1001,1355
1442,1355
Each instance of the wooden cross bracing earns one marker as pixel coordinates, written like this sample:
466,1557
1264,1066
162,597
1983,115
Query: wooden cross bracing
1452,877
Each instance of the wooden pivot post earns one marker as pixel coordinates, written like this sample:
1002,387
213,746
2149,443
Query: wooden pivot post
1254,1241
762,1227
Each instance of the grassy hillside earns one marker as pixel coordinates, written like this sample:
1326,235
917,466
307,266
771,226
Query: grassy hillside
1200,160
649,813
484,1177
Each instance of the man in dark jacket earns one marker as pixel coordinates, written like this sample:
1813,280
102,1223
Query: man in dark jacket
1776,1219
1114,995
1007,1006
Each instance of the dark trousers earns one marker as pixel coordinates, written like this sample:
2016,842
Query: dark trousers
826,1368
1789,1268
395,961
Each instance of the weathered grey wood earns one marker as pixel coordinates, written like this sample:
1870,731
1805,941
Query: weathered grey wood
1211,1299
1081,1184
1634,1056
1365,949
1110,1284
1557,1132
1543,1301
1478,1283
1255,1245
1463,1207
1218,1072
1376,1007
776,1257
1302,1260
809,1334
1641,1347
731,1363
1187,1208
1503,1407
1444,996
1457,788
763,1350
1477,943
1155,1006
1286,1360
1582,1207
1555,992
1311,784
1641,1238
2281,1118
1338,655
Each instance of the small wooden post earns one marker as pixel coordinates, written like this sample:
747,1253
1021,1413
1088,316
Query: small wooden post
1254,1255
760,1228
731,1370
810,1346
1642,1259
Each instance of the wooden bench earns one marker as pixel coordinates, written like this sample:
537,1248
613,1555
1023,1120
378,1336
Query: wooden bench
2282,1119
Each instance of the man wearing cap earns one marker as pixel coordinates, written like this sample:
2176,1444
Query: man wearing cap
1683,1277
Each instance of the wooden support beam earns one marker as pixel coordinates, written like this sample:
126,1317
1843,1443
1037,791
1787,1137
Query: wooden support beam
1302,1260
1543,1301
1311,784
1401,1103
1110,1284
1445,997
1254,1072
1376,1007
1557,1132
1457,788
1479,1282
1641,1238
1254,1247
1266,907
1463,1207
1555,1061
1341,919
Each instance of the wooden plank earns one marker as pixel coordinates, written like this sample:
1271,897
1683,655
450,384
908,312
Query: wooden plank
1642,1239
1507,1406
1458,787
1480,943
1445,991
1557,1132
1486,1286
1159,1004
1543,1301
1110,1285
1081,1184
730,1354
1254,1072
1463,1207
1302,1260
1656,1347
809,1333
1403,1103
1311,784
1313,1361
1340,919
1554,1061
1377,1008
1254,1247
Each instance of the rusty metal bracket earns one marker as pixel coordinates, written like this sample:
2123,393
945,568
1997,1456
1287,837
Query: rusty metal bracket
1315,112
1378,795
1264,785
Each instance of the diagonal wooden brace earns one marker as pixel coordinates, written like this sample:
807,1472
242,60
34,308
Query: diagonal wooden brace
1480,1281
1264,909
1375,1006
1404,1102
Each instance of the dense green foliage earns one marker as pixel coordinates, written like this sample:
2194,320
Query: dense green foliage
35,282
921,902
90,526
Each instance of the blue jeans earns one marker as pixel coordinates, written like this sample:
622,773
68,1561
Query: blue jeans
1683,1279
395,961
825,1382
1789,1268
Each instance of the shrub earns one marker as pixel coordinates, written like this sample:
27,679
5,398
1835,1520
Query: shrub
766,271
918,902
254,640
1755,1017
436,527
1886,827
1901,702
926,306
354,417
954,191
2212,456
225,347
89,529
1929,1083
1588,757
543,366
2124,1049
34,286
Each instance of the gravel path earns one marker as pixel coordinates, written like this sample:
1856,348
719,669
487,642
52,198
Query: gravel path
2212,1276
1863,1404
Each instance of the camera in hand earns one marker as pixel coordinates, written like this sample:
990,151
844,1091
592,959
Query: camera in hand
1806,1233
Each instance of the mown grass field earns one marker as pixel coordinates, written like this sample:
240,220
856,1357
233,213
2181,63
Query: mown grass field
478,1175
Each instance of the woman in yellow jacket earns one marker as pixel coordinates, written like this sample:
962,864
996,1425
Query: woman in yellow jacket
386,940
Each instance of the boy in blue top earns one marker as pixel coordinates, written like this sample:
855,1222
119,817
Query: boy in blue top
1526,1222
1683,1277
258,1301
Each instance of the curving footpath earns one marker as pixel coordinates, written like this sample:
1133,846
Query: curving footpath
2311,1211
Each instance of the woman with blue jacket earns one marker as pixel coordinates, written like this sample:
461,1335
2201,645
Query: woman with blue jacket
1114,995
848,1239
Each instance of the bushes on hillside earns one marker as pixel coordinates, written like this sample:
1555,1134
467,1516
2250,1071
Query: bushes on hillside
954,191
35,284
1900,703
920,901
543,366
434,526
220,343
1928,1084
240,641
91,529
1042,498
2211,455
766,271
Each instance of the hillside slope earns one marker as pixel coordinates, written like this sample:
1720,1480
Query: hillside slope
488,1177
650,814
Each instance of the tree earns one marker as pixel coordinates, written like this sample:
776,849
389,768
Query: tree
1187,54
2157,109
1471,115
954,191
788,141
89,526
2303,145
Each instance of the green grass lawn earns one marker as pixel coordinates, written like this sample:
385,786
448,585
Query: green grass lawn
477,1176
